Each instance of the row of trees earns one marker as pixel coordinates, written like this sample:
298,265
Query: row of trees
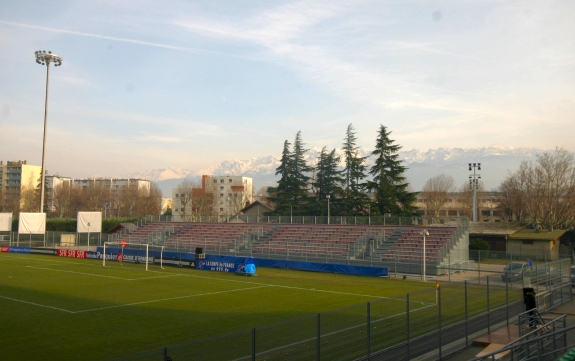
352,190
66,200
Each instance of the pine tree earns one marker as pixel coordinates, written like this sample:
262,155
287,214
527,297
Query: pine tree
354,173
290,196
328,181
300,170
388,183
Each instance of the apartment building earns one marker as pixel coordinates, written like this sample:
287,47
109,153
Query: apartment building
223,195
460,204
16,178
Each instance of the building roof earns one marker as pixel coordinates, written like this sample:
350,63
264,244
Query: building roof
495,228
542,235
246,208
120,226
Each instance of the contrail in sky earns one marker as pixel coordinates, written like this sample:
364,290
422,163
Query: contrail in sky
126,40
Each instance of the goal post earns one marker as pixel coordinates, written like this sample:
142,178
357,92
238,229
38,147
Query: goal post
133,246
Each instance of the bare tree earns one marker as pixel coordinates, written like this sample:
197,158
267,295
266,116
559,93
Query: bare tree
184,199
239,197
28,198
511,199
435,192
547,188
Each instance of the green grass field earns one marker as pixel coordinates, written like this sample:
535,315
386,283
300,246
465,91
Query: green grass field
60,308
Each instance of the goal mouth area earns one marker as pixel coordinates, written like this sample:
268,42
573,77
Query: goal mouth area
131,252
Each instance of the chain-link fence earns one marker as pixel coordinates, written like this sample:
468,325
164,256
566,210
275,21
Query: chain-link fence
399,328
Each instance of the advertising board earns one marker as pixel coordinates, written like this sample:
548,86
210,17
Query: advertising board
219,266
71,253
13,249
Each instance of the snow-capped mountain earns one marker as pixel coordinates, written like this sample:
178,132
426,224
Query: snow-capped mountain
496,163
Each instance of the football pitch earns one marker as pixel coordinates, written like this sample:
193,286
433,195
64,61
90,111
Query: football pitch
60,308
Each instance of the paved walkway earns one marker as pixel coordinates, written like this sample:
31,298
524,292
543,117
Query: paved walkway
565,309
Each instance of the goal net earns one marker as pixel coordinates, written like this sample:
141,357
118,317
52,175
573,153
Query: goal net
132,252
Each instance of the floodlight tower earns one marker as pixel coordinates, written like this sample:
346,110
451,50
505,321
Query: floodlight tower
44,58
474,185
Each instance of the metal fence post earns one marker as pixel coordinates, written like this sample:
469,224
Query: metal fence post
488,309
507,301
254,344
466,317
479,265
439,318
368,329
318,337
165,355
407,320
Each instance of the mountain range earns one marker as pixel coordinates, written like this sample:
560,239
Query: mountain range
496,163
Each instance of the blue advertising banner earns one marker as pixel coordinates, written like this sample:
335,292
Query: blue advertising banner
219,266
306,266
14,249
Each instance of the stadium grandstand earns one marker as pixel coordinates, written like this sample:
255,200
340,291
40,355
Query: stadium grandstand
396,247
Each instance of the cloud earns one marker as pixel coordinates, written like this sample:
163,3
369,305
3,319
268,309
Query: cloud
161,139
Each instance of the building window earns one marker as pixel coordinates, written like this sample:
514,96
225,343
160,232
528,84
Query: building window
527,241
215,181
222,188
230,180
177,195
221,195
221,209
221,181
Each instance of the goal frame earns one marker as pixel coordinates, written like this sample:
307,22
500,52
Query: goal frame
122,244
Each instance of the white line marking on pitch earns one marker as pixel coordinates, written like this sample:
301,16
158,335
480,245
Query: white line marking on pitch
36,304
305,289
169,299
255,283
96,275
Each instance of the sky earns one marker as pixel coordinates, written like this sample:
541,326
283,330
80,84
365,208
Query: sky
152,84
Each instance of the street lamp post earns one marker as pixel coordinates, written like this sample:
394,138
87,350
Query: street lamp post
44,58
424,233
328,197
474,184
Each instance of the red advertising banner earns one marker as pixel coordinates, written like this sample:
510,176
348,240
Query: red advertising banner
5,249
71,253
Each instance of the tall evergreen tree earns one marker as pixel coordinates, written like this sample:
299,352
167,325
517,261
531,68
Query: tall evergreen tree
290,195
328,181
388,183
300,169
354,174
280,195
